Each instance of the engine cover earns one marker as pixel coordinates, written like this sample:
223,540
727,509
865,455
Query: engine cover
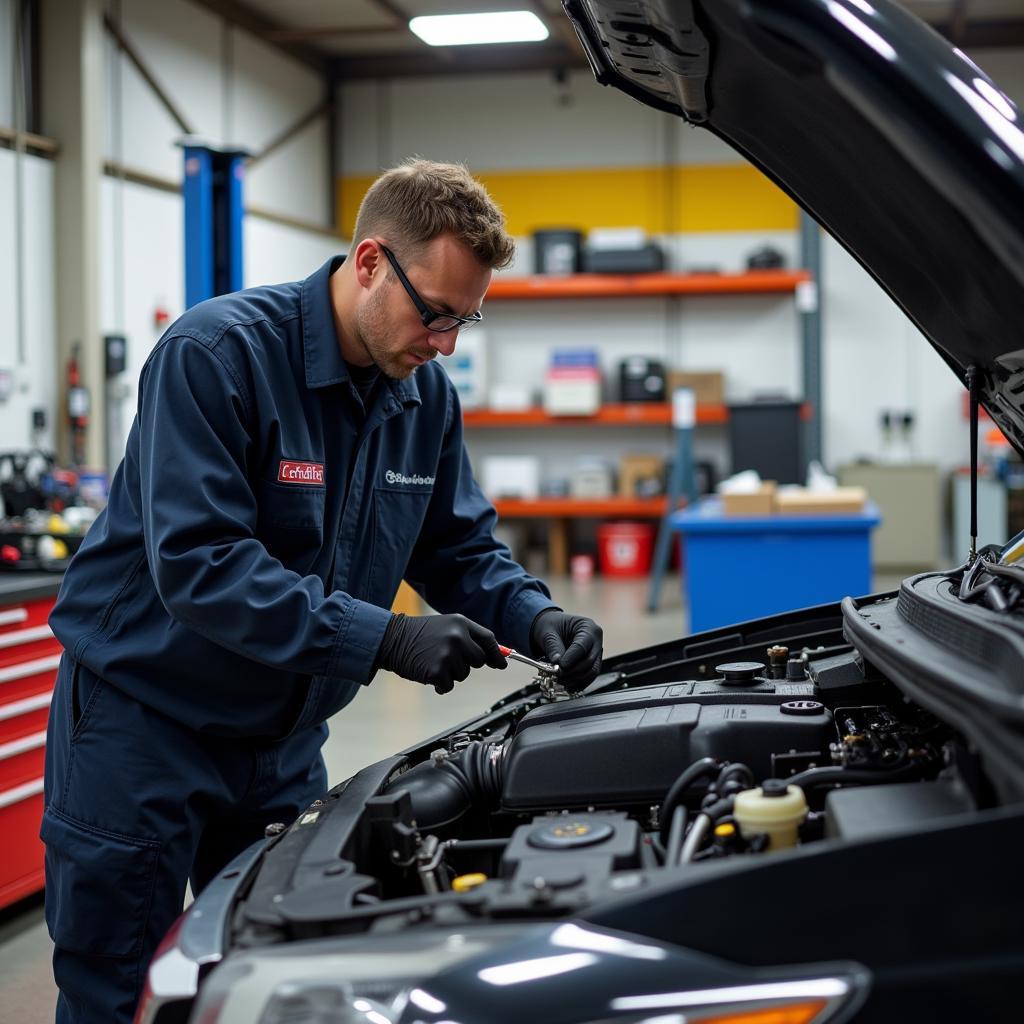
629,747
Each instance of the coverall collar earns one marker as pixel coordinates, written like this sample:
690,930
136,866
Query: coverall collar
321,349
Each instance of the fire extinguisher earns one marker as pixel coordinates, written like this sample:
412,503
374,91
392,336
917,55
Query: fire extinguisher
78,407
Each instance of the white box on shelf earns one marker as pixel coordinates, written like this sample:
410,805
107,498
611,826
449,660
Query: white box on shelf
467,368
592,478
511,476
572,392
510,397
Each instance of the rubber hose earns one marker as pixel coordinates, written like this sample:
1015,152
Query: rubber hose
675,837
811,778
442,792
700,768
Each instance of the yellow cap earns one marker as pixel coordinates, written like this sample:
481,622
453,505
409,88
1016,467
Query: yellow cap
724,831
466,882
57,525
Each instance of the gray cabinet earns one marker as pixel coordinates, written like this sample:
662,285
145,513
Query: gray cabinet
909,496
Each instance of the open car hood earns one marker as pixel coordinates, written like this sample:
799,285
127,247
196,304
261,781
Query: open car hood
894,141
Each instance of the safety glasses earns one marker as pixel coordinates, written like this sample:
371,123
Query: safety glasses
431,318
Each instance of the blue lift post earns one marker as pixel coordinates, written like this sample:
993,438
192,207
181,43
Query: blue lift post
682,481
212,190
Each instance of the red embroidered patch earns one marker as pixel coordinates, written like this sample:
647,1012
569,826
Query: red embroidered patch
309,473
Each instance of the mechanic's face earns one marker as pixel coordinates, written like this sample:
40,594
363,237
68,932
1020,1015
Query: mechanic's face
447,278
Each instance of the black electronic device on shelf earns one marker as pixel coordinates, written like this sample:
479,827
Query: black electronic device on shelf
641,380
643,259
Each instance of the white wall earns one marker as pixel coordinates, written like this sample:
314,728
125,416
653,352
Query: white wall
34,369
237,90
6,58
271,92
512,122
132,216
28,358
232,88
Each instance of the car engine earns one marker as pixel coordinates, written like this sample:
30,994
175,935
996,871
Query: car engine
549,804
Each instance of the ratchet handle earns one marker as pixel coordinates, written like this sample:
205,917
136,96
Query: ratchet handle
540,666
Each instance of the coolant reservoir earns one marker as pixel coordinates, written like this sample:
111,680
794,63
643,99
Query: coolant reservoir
775,809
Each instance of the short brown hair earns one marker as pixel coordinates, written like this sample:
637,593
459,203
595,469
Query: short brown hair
415,202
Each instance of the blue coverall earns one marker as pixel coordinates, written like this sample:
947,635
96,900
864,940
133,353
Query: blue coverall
231,597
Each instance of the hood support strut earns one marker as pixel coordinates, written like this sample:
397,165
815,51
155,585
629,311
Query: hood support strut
973,377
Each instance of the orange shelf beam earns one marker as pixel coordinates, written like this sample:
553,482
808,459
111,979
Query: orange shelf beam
591,286
626,414
581,508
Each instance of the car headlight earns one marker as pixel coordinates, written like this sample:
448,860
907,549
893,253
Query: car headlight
361,980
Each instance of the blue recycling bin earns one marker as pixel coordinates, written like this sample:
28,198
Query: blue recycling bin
738,568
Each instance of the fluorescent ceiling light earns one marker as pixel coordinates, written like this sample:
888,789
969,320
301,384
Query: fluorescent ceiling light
465,29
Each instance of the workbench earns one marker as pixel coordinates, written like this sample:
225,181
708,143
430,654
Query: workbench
29,655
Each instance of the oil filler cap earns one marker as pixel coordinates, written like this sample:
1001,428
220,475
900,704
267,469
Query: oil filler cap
569,834
734,673
802,707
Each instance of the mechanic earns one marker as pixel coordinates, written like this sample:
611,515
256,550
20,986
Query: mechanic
294,456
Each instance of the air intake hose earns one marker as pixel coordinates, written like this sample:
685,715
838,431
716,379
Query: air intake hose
443,789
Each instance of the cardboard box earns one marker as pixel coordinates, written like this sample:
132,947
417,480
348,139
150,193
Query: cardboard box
636,468
708,386
753,503
820,503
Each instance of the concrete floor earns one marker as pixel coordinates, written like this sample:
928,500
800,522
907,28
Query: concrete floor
387,716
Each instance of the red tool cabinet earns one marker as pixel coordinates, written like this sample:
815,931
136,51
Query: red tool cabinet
29,654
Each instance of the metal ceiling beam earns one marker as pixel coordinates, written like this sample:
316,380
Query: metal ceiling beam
392,10
472,61
291,35
958,21
259,25
981,35
558,25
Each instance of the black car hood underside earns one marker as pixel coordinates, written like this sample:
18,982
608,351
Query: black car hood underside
899,146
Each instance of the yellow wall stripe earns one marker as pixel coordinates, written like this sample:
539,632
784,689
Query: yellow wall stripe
719,197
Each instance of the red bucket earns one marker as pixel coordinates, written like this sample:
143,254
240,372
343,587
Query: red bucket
625,549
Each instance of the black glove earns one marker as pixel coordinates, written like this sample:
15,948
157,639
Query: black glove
438,650
572,642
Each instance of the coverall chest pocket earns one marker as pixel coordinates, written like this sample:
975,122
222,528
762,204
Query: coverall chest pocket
398,514
290,522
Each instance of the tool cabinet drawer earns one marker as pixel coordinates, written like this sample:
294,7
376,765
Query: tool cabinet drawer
24,717
21,759
29,656
24,614
21,866
26,644
28,678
